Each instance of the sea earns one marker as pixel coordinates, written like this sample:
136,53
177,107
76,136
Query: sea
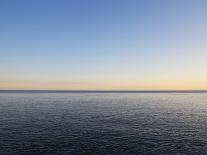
103,122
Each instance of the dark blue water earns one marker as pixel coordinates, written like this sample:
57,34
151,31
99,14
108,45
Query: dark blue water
103,123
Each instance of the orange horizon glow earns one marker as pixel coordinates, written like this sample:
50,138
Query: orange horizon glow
182,85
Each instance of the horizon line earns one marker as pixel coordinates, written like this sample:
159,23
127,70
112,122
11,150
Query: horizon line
103,91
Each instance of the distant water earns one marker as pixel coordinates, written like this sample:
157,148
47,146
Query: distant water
102,123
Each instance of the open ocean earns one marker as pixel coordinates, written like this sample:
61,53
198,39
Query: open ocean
120,123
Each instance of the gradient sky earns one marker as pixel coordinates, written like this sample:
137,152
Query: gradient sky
103,44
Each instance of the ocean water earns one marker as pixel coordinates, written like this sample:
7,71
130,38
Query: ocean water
102,123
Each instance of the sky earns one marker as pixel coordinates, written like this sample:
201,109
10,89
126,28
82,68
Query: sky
103,44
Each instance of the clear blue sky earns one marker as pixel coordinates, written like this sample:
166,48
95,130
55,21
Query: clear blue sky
103,44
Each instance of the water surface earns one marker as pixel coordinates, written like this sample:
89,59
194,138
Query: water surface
102,123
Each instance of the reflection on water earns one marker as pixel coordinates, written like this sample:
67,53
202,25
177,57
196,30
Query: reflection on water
103,123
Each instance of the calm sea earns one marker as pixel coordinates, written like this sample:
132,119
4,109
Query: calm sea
66,123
